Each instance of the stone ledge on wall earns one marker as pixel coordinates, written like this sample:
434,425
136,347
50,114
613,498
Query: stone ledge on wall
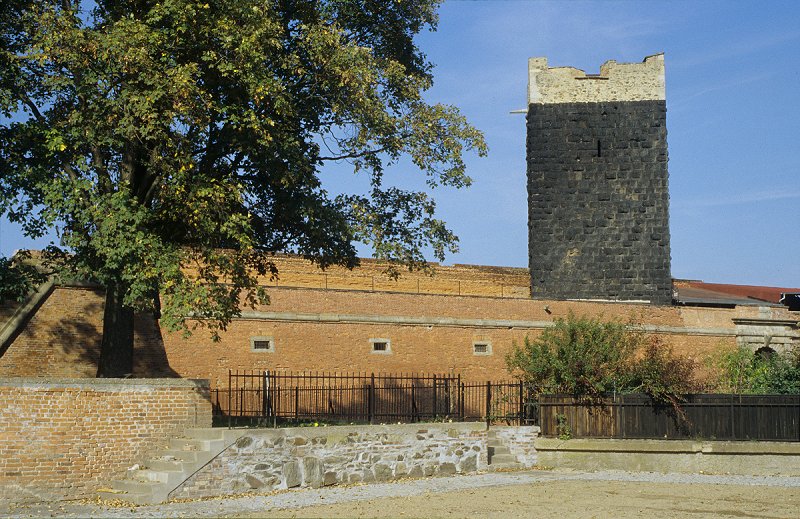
683,456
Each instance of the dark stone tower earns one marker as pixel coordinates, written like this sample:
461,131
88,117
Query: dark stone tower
597,182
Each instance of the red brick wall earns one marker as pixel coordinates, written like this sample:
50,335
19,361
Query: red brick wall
62,339
333,346
64,439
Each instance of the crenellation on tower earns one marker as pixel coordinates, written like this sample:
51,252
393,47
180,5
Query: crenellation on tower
598,186
616,82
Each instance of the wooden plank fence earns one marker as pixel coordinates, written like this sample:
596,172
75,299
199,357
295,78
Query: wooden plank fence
705,416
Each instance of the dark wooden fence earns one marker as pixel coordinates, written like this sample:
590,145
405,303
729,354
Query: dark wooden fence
267,398
705,416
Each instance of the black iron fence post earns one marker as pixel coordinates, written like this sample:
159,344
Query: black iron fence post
230,390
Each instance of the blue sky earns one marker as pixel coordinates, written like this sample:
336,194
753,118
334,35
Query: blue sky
733,120
733,71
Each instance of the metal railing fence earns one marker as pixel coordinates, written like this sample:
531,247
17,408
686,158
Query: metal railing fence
272,397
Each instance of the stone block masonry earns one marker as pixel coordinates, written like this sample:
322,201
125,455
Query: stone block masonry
64,438
264,459
598,184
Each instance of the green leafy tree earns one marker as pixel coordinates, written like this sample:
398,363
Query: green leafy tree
174,143
18,278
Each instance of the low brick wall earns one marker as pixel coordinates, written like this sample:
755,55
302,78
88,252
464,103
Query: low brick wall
266,459
685,456
65,438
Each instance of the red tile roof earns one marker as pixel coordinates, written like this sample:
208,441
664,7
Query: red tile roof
768,294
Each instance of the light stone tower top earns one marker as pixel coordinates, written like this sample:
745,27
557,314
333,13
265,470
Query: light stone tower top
616,82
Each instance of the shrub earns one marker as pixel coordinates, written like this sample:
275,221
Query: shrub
739,370
659,373
587,357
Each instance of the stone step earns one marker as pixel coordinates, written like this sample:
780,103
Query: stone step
167,465
506,466
498,449
136,499
189,444
205,433
132,486
174,454
166,471
158,476
502,458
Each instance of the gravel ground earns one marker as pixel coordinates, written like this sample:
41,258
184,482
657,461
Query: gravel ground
500,494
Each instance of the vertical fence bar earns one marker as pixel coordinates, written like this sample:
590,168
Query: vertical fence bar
371,398
296,403
435,403
459,387
488,403
264,396
230,389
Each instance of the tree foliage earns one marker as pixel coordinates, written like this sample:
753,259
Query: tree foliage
175,142
18,278
588,358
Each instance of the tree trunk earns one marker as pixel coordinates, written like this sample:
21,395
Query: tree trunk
116,349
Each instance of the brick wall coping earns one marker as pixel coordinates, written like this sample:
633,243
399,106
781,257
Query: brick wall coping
103,384
452,321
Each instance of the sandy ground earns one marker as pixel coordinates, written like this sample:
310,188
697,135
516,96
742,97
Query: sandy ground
535,493
567,499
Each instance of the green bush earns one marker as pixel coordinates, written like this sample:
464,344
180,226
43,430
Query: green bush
587,357
741,371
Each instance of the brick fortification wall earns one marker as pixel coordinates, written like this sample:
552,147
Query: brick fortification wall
62,339
330,330
313,328
597,183
65,438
